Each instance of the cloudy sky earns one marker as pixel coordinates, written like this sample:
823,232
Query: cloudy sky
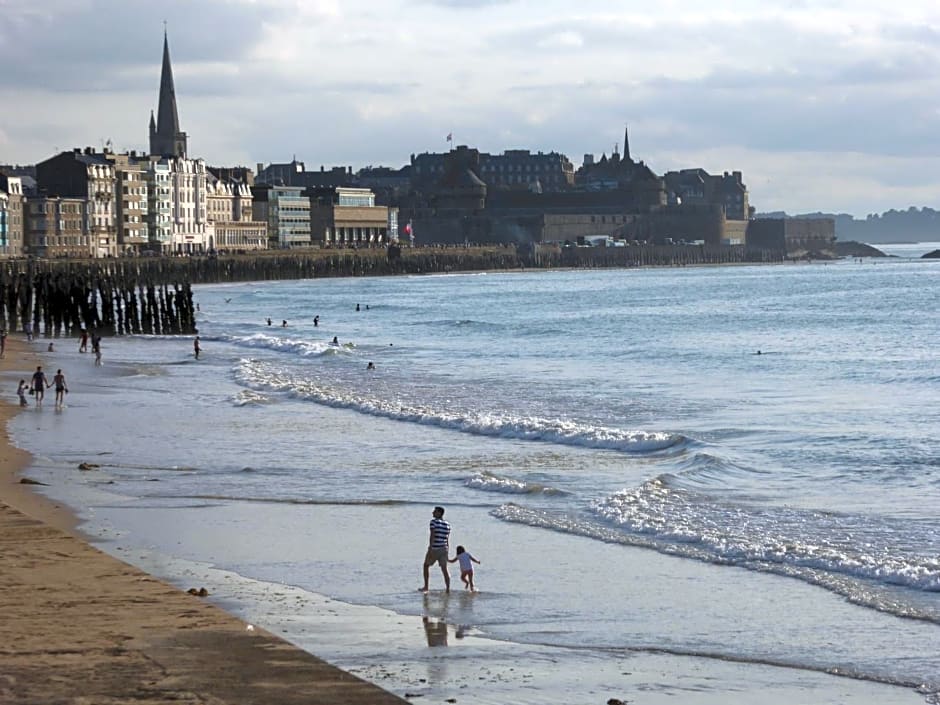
824,105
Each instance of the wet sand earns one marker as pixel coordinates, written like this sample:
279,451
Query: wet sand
80,626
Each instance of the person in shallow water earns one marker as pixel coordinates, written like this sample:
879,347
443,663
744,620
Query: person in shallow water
466,567
438,547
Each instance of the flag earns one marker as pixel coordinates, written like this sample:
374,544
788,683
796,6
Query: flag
408,228
450,136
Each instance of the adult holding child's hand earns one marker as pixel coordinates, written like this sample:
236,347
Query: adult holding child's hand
438,548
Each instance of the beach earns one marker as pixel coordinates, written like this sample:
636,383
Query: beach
81,626
684,532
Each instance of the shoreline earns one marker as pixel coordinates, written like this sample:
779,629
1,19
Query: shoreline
368,632
81,624
13,460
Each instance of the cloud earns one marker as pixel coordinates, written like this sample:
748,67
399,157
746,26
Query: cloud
826,86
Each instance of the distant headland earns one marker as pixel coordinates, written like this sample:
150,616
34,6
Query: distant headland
893,226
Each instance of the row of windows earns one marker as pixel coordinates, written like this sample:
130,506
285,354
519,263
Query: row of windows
530,168
491,166
523,179
47,208
613,219
64,241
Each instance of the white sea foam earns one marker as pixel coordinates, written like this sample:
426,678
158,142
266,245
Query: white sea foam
257,374
247,397
859,574
489,482
725,532
305,348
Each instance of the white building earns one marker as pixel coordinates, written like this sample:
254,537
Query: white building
188,198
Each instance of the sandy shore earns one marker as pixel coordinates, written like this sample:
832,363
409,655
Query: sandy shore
80,626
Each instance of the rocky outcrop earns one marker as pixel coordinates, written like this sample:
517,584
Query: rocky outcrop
857,249
932,255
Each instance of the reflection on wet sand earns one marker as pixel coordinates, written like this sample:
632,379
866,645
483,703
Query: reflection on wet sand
439,616
436,631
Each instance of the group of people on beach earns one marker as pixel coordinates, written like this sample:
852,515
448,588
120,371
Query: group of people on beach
439,552
38,386
95,345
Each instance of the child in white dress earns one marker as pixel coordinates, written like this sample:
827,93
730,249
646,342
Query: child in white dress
466,566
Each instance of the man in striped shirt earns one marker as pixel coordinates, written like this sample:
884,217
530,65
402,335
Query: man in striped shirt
438,548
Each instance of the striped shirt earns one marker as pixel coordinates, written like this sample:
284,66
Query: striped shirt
440,533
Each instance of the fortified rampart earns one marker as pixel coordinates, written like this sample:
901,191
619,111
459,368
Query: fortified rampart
798,237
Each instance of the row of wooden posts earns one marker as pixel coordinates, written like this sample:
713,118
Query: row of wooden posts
110,297
154,295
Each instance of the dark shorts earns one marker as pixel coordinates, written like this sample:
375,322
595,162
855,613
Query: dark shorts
436,555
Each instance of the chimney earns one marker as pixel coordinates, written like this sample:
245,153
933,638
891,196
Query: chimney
260,168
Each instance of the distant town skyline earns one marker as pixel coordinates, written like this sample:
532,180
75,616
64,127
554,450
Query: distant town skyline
822,105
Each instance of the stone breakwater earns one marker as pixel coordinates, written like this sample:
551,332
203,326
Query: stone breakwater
154,295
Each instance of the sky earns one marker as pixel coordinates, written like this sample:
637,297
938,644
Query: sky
830,105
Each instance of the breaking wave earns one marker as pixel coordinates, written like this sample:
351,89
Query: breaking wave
258,375
489,482
852,556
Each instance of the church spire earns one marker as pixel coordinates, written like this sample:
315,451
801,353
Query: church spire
167,140
168,121
626,144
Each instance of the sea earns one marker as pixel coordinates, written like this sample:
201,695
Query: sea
691,484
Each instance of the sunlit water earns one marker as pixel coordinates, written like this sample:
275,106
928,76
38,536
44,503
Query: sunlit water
730,462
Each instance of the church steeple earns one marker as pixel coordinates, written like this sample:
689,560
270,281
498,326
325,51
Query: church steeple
626,144
167,139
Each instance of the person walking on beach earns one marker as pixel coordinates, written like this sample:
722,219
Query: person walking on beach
28,329
438,548
96,347
40,384
21,392
83,341
466,567
196,347
61,389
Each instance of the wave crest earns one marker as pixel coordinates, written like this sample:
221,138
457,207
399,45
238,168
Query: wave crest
259,375
490,482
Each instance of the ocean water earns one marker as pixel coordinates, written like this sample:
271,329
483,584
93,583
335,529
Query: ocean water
715,467
908,250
